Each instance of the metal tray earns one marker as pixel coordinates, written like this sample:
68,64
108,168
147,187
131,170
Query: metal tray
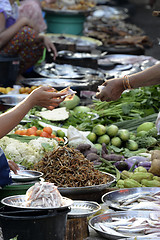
57,83
66,71
83,209
12,100
80,55
67,11
26,175
18,201
102,218
112,198
79,41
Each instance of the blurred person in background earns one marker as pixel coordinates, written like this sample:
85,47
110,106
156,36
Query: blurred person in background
19,36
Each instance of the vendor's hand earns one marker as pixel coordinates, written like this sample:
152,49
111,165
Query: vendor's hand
112,91
50,46
46,97
13,166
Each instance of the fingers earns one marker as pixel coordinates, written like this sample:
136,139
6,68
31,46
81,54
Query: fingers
13,166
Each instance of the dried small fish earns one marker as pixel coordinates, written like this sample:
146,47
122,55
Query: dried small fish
67,167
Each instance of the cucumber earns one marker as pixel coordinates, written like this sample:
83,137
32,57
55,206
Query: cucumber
132,125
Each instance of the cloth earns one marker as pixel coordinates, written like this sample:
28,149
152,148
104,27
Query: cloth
5,178
6,6
32,10
24,45
10,12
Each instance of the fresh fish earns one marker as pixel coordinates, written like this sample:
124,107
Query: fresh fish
129,201
154,216
110,231
146,206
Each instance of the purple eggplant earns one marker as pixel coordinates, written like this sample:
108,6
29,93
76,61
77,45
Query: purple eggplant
122,165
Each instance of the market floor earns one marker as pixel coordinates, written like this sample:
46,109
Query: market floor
142,17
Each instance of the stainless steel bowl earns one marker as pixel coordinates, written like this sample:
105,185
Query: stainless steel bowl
12,100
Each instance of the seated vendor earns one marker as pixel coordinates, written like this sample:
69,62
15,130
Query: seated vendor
20,37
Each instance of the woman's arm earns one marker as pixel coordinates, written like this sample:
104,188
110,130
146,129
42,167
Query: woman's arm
39,96
115,87
7,34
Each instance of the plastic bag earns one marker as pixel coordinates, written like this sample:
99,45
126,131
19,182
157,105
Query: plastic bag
76,137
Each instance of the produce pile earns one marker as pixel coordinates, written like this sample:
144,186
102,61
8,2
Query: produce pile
67,167
26,150
138,104
120,135
140,176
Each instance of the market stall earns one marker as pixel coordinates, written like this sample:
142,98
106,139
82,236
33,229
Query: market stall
89,167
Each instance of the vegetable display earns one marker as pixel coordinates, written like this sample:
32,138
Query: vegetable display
139,178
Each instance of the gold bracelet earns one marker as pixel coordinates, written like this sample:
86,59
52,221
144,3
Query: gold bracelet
126,82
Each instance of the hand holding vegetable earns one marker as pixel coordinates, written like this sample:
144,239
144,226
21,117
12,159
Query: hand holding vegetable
40,96
44,97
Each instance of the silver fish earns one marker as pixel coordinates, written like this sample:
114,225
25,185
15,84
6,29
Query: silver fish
146,206
110,231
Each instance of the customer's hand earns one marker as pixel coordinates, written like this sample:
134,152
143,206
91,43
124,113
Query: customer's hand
13,166
112,90
46,97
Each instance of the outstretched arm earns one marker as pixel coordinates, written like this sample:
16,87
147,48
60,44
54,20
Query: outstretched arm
115,87
40,96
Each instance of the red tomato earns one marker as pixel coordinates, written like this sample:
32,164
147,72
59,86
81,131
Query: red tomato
24,132
47,130
34,127
44,134
53,135
18,132
38,132
31,131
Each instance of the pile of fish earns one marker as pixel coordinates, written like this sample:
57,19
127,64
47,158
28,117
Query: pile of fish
140,201
43,194
132,226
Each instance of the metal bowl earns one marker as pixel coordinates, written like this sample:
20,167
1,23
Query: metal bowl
26,175
12,100
112,199
87,193
102,218
18,201
83,209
